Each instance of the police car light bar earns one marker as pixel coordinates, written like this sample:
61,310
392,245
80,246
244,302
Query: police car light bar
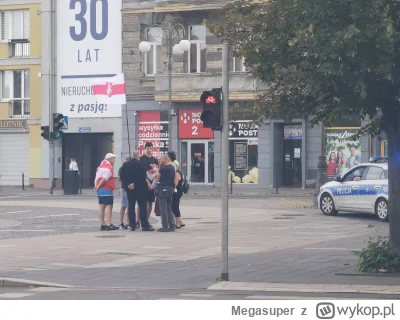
378,159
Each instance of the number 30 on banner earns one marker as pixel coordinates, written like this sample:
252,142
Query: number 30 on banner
80,18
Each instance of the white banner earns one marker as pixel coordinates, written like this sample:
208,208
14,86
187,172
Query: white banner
203,309
89,46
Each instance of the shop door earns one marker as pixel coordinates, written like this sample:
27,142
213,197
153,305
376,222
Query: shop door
292,163
89,150
198,161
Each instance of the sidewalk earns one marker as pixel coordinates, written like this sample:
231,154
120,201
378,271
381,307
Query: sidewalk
195,191
276,244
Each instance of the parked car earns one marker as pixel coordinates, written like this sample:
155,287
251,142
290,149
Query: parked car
364,188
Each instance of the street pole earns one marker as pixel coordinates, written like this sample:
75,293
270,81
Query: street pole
225,160
322,166
170,31
52,93
127,129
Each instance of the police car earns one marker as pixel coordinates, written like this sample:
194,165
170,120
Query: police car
364,188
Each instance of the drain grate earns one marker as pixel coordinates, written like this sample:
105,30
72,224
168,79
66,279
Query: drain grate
128,254
283,218
111,237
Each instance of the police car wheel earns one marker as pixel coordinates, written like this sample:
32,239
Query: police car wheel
327,205
381,210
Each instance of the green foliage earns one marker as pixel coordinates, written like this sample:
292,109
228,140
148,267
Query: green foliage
330,59
377,255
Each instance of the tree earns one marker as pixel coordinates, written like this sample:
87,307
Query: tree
329,59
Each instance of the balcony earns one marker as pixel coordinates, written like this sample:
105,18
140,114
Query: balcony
189,86
20,48
20,108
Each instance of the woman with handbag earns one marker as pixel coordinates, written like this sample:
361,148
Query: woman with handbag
177,195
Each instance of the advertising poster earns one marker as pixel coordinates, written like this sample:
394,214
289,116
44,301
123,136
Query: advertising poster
90,51
153,127
342,151
292,132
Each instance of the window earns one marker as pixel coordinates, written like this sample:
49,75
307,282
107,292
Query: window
238,65
15,24
375,173
249,173
15,87
153,59
355,174
197,51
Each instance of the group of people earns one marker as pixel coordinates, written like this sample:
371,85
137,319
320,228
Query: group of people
144,180
340,163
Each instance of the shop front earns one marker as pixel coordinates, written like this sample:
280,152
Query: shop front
243,152
196,147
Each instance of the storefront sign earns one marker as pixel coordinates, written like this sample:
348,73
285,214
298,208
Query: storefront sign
191,127
342,151
243,129
241,156
12,124
90,49
85,129
153,127
292,132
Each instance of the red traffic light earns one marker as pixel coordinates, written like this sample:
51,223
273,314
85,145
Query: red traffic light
211,99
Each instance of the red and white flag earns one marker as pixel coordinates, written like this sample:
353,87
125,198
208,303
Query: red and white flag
110,90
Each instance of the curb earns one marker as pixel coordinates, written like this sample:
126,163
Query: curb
14,282
305,288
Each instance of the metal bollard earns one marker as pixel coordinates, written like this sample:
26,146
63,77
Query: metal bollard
231,184
23,181
276,183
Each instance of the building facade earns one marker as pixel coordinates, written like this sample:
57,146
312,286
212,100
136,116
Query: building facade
275,153
20,94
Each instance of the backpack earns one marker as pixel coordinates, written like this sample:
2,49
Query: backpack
185,185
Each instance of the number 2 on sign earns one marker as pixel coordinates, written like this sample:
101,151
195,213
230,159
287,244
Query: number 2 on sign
80,18
194,131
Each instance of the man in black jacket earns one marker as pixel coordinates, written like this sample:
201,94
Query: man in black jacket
133,177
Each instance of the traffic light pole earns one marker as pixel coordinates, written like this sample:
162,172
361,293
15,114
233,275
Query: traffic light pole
225,160
52,92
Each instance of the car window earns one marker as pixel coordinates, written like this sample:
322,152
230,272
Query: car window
355,174
386,174
375,173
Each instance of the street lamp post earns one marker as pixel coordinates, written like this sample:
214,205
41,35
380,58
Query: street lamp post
172,35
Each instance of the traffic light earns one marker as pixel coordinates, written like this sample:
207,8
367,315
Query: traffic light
211,115
46,132
58,123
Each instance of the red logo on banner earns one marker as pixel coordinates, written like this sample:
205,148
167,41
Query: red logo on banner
191,127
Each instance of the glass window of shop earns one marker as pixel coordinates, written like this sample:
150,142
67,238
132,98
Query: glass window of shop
153,127
243,152
342,151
